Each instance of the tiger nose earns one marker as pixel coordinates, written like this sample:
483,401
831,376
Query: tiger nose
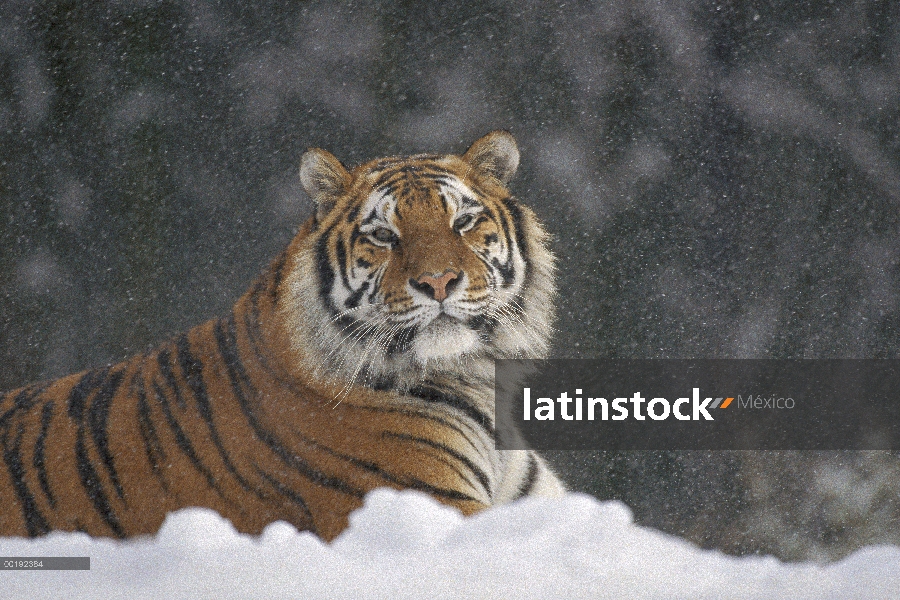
436,287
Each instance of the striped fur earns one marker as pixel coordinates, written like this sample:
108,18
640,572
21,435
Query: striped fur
344,368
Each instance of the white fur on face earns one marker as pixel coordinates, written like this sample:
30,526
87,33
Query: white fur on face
442,339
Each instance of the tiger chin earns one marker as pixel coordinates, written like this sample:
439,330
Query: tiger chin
361,358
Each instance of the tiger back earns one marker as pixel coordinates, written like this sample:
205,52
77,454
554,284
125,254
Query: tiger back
362,357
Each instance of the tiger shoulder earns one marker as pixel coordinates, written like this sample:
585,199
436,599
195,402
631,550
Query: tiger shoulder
362,357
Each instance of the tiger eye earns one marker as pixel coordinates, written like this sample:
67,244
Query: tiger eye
462,222
384,235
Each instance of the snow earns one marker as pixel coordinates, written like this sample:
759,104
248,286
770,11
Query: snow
406,545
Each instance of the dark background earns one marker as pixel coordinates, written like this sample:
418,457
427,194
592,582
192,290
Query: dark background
722,180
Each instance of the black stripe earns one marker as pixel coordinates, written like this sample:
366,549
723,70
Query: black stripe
441,179
526,487
97,418
89,382
519,225
507,271
252,329
383,382
429,417
164,360
403,481
35,523
341,256
430,394
152,446
479,474
399,173
38,460
326,278
486,324
291,495
324,269
184,443
90,481
23,401
355,297
376,285
225,337
192,371
373,214
355,236
469,202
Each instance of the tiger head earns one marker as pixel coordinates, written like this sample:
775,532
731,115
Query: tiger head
418,265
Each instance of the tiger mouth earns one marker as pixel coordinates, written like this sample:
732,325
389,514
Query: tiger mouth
444,320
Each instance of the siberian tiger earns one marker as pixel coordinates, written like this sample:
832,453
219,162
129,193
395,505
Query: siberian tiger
362,357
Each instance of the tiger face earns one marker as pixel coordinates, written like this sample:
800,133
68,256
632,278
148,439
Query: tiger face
423,264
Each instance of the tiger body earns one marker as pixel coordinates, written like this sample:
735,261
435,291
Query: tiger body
361,358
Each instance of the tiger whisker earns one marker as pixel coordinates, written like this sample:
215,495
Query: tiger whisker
362,330
355,337
375,343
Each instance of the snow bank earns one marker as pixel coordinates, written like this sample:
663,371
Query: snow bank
405,545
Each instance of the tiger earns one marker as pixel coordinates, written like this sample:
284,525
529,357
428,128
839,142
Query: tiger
362,357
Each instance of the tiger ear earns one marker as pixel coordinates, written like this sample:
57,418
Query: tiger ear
496,154
324,178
